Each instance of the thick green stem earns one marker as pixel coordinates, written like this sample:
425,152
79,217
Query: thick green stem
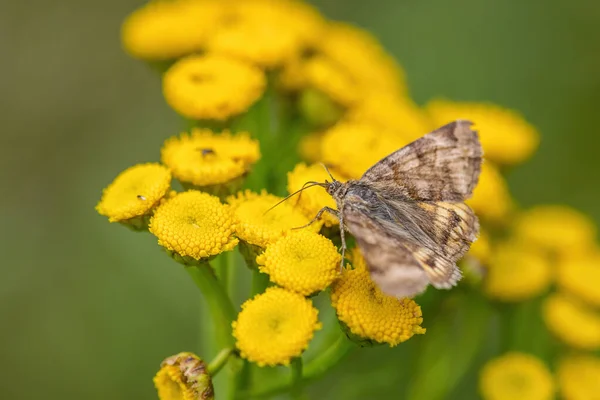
314,369
297,387
219,304
219,361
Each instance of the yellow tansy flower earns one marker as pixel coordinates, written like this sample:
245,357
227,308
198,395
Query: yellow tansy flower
368,312
194,225
167,29
572,322
516,376
491,198
357,52
392,111
505,136
353,147
183,377
557,228
579,377
203,158
580,276
275,326
323,75
312,200
258,227
135,192
212,86
268,33
303,262
517,273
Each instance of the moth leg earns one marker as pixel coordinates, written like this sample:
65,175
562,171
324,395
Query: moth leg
318,216
343,238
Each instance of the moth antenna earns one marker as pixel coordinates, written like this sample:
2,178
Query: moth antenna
310,183
327,169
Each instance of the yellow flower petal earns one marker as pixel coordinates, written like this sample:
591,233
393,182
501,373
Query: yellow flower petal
572,322
579,377
506,137
368,312
183,377
313,199
135,192
212,86
325,76
517,273
516,376
557,228
258,227
303,262
275,326
491,198
194,224
167,29
203,158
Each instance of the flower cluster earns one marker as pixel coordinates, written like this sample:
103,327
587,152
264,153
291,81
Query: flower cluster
270,89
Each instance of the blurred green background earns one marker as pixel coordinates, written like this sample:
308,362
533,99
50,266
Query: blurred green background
88,309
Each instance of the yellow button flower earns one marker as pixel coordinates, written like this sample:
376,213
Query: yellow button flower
135,192
275,327
212,86
353,147
517,273
579,377
557,228
572,322
194,225
312,200
392,111
303,262
183,377
325,76
268,33
368,312
203,158
506,137
167,29
357,52
258,227
491,198
580,276
516,376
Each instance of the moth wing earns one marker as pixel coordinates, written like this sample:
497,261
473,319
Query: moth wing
391,264
443,165
452,226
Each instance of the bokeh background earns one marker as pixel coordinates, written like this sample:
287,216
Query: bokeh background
88,310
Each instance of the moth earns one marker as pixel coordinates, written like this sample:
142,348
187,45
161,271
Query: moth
407,212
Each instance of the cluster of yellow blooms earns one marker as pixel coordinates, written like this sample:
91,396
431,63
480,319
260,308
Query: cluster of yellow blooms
224,58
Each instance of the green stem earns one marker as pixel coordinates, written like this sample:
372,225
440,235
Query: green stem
219,303
296,382
260,282
313,369
219,361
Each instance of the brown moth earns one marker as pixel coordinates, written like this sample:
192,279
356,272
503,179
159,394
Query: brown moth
407,212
